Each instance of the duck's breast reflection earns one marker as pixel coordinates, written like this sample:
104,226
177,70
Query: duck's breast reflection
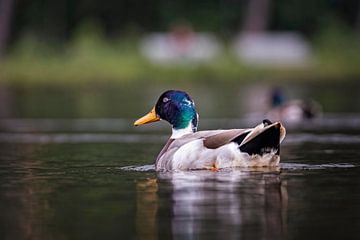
227,204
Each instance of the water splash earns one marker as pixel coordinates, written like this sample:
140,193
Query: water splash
143,168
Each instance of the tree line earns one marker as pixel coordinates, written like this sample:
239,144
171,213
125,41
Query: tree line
57,20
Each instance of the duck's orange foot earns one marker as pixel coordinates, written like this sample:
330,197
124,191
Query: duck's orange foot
214,168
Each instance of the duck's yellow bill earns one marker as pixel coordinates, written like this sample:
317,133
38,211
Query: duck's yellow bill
148,118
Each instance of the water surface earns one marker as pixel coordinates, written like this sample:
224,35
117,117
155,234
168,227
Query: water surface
68,171
91,190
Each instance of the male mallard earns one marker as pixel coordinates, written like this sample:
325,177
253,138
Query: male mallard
293,111
188,149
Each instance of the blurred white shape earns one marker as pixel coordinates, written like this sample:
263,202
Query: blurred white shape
169,48
276,48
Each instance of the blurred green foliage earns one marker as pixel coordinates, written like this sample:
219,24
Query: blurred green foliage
338,48
91,57
75,41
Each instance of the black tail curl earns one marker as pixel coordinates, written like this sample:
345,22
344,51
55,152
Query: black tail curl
265,142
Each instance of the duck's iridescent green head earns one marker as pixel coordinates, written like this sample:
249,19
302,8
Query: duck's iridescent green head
176,107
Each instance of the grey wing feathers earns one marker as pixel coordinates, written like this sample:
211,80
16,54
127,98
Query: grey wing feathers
220,139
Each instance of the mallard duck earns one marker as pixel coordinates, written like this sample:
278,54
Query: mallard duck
189,149
293,111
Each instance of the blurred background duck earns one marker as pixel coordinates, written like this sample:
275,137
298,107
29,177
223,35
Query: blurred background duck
189,149
293,111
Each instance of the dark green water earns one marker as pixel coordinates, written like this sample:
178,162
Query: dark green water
94,179
80,191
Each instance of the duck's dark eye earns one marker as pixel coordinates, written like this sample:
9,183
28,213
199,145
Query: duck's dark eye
165,100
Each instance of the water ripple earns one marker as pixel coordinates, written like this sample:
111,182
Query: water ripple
300,166
283,166
155,138
79,138
338,121
321,138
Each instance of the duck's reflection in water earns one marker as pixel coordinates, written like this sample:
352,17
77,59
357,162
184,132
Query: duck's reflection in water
215,205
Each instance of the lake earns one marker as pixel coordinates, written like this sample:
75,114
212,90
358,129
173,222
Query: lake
72,166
